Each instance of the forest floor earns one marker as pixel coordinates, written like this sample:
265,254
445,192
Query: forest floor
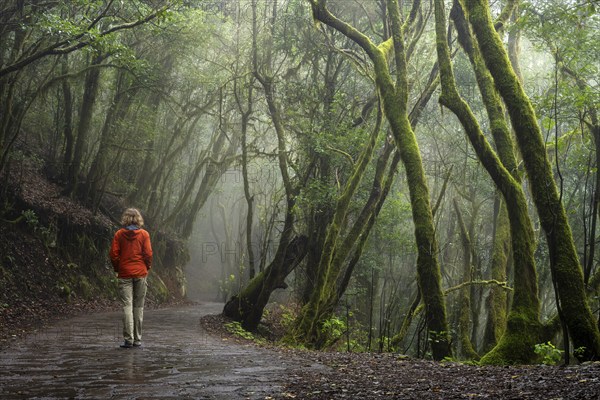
383,375
190,352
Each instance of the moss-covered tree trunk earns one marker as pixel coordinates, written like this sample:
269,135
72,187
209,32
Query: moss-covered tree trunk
428,269
565,266
466,348
359,233
248,306
523,327
501,253
324,295
414,309
395,98
322,213
497,300
350,251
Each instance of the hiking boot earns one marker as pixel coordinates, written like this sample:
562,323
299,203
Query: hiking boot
127,345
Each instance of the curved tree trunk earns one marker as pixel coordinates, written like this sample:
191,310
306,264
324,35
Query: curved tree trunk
324,296
248,306
394,98
565,266
524,327
501,256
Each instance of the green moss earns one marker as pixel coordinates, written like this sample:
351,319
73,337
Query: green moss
238,308
497,300
565,266
394,97
518,343
386,47
521,232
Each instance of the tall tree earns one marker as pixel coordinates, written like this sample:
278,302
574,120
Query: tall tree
249,304
98,173
86,113
325,293
394,97
524,328
564,262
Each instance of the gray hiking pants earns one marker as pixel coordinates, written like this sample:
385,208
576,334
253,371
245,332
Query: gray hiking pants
132,292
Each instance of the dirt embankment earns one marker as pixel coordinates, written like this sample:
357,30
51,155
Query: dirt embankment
53,256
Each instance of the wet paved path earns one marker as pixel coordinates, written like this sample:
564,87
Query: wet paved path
80,359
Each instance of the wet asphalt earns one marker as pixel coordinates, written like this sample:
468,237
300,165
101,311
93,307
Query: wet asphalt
80,358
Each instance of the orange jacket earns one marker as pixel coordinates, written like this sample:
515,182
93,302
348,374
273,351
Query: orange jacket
131,252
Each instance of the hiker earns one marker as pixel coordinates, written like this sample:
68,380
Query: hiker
131,257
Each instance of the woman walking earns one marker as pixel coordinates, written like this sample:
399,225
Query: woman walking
131,257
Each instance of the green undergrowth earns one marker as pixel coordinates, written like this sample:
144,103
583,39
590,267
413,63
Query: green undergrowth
235,328
279,318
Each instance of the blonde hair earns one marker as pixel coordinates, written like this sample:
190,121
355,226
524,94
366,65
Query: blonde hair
132,216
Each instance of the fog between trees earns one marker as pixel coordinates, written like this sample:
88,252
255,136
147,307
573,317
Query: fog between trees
400,176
